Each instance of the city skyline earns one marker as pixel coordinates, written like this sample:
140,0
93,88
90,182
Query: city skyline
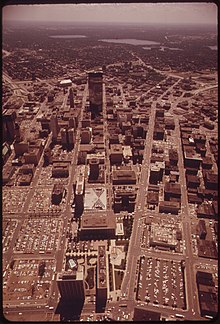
110,167
167,13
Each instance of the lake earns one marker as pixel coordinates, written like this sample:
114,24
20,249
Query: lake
67,36
130,41
214,47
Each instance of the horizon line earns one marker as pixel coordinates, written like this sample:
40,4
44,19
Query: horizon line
108,22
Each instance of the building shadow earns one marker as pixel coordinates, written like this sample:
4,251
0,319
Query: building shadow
100,307
69,310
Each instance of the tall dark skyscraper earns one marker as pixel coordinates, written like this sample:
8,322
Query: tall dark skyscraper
95,92
71,96
101,283
8,117
71,285
54,127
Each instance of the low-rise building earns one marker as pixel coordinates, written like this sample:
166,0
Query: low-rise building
97,225
208,299
191,158
211,180
172,207
7,173
123,175
127,153
160,235
205,210
24,179
60,169
124,198
153,198
201,228
57,193
172,190
32,156
192,181
207,249
116,154
65,83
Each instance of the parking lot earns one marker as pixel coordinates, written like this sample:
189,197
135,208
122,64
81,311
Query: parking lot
39,236
45,177
159,281
14,199
60,154
24,284
8,228
41,201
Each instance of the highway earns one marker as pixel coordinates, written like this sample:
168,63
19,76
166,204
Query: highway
19,91
164,73
195,92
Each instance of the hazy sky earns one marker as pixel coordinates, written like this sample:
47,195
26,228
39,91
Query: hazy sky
201,13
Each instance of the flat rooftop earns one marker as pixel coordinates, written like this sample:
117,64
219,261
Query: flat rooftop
96,219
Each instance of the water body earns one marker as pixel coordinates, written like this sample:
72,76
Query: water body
162,48
171,48
214,47
130,41
68,36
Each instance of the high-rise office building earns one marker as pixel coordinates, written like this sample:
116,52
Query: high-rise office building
54,127
17,132
63,133
8,118
94,169
57,193
71,137
80,191
86,135
47,156
71,285
95,80
71,96
101,283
